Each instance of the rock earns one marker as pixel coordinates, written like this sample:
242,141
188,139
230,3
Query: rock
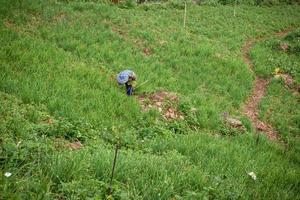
235,123
262,127
284,46
288,79
159,104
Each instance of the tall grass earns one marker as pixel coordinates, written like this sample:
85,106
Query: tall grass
58,62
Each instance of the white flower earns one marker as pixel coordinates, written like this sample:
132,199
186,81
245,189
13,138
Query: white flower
7,174
253,175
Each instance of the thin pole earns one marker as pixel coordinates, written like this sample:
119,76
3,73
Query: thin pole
184,18
234,9
113,169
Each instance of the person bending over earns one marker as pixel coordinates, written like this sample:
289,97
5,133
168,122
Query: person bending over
128,78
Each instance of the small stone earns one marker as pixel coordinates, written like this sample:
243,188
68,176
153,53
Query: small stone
234,122
159,104
287,79
172,115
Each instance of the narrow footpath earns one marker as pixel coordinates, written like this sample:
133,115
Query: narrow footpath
250,108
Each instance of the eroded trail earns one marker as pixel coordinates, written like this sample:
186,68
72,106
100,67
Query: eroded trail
259,89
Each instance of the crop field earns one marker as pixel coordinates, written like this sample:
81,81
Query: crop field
62,113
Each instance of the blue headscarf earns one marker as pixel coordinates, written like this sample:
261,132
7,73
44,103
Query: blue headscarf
123,76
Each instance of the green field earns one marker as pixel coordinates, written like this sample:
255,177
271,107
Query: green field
58,62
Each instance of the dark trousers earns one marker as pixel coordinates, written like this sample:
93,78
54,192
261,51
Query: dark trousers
129,89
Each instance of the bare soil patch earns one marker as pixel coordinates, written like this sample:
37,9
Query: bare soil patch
252,112
74,145
165,102
147,51
61,143
284,47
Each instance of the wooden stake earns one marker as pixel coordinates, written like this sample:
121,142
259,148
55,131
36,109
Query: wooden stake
113,169
184,18
234,9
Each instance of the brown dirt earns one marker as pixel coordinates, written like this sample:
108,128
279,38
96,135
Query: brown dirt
251,108
61,143
164,102
288,79
74,145
147,51
284,46
48,121
259,89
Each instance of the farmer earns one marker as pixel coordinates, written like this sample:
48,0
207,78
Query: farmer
128,78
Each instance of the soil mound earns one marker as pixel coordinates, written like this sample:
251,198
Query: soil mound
165,102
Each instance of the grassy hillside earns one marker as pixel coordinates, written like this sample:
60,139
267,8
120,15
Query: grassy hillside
58,62
281,105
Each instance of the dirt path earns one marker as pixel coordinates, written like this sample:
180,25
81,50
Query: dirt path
259,89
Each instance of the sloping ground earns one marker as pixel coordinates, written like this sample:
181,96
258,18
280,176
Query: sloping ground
165,102
199,166
280,106
251,108
52,58
259,89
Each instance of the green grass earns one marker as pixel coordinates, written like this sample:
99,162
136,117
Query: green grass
280,107
58,61
268,56
199,166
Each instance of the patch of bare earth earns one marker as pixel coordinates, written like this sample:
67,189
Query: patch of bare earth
251,108
288,79
284,46
259,90
74,145
147,51
61,143
164,102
